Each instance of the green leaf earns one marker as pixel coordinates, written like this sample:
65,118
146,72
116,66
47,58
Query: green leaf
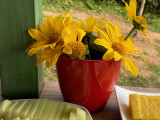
94,46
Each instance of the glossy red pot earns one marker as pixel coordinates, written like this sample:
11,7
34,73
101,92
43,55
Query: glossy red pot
87,82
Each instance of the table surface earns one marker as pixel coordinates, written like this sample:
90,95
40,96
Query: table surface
110,111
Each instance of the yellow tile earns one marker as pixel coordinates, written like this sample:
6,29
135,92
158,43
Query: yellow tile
144,107
157,100
152,108
134,103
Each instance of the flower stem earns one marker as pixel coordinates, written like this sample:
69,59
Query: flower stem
131,32
86,42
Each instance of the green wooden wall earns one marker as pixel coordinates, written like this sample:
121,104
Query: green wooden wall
19,75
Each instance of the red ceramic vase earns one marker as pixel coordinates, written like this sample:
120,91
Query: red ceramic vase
88,83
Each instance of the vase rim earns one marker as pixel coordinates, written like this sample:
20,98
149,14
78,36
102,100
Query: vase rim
77,59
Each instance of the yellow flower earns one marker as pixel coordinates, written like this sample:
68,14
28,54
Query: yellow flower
49,33
91,23
116,47
67,19
70,44
73,39
137,21
51,55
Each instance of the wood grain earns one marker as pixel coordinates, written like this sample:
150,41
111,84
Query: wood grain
110,111
19,73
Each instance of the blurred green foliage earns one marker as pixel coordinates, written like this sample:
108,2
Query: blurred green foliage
116,7
155,68
150,6
139,81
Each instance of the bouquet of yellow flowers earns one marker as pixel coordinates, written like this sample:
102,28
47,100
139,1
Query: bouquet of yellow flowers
93,39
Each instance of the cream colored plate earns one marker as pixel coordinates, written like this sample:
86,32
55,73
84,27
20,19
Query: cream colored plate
88,115
87,112
123,100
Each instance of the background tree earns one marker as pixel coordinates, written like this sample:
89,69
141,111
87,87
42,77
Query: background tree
140,13
142,7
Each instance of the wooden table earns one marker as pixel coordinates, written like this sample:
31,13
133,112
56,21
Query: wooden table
110,111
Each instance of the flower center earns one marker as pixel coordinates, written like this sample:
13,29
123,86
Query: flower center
140,22
60,43
118,47
78,48
53,37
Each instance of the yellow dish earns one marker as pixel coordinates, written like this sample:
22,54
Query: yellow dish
144,107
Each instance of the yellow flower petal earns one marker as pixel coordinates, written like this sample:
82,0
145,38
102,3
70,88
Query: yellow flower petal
67,19
103,35
129,49
121,39
50,24
43,29
48,64
111,32
54,58
53,45
55,24
90,24
109,23
36,44
45,52
80,34
101,24
146,35
128,11
34,50
59,23
67,50
67,13
37,35
102,42
67,35
102,19
42,59
130,66
80,24
117,31
56,52
133,7
108,55
117,56
129,42
132,54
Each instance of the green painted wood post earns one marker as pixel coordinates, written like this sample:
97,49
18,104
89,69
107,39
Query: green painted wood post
19,75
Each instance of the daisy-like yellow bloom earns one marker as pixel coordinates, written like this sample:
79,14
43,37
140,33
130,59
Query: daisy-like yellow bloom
73,39
117,47
91,23
49,33
70,44
50,56
138,21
